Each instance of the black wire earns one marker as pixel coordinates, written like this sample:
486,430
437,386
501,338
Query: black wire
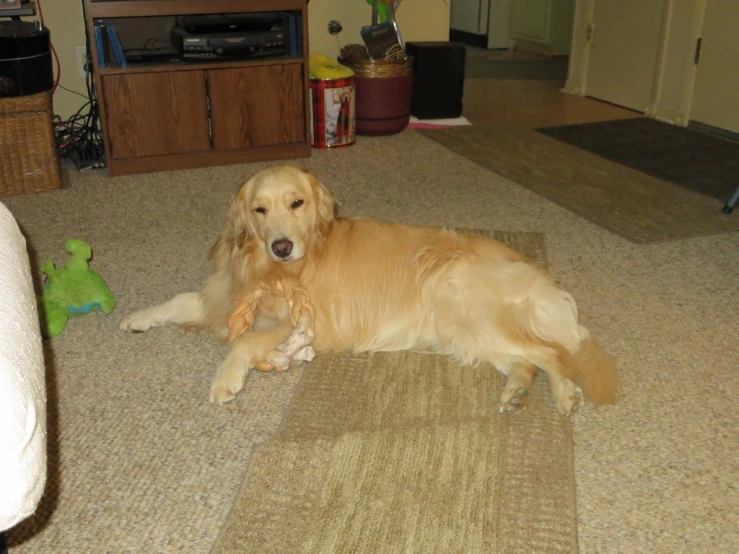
150,44
72,91
79,137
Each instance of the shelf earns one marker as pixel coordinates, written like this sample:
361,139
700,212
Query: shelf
176,115
150,164
148,8
25,10
192,66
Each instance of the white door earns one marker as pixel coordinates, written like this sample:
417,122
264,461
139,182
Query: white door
716,89
499,23
470,16
530,19
623,51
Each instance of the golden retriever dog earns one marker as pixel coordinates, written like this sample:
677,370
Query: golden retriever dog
379,286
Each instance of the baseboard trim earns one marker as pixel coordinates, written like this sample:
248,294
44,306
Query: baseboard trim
667,115
471,39
535,48
710,129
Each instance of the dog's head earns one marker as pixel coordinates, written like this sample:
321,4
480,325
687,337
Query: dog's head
283,210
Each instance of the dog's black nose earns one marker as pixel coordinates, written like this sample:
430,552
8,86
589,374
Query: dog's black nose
282,248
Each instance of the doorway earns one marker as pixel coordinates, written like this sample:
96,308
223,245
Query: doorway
538,26
624,44
716,79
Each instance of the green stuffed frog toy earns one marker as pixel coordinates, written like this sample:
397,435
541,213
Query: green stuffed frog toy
71,290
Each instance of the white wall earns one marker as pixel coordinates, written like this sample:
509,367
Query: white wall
418,20
67,31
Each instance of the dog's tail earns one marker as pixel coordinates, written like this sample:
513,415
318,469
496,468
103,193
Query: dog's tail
549,314
594,370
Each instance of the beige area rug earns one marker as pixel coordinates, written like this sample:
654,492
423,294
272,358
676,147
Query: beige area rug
406,452
634,205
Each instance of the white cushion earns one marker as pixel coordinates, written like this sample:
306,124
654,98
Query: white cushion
22,384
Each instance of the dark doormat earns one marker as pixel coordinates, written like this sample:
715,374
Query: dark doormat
705,163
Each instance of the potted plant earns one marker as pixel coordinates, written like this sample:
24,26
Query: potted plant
383,73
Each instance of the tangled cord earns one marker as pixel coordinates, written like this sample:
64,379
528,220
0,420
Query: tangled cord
79,138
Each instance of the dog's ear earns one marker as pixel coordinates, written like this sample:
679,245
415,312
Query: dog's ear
236,234
238,229
325,204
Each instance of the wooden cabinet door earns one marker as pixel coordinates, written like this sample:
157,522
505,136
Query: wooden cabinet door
257,106
154,114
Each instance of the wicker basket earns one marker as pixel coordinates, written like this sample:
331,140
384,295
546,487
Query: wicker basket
28,154
371,69
383,90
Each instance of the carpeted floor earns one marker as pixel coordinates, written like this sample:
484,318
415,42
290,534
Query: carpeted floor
707,164
633,204
655,473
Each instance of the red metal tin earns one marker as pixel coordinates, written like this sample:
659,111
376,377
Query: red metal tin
332,112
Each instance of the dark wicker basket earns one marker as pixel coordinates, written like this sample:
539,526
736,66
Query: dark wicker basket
28,156
371,69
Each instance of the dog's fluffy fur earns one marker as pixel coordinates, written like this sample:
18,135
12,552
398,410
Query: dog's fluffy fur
381,287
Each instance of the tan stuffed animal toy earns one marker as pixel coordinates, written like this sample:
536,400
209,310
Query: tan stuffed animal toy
298,345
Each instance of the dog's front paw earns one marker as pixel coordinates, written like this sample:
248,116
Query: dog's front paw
137,322
224,390
278,361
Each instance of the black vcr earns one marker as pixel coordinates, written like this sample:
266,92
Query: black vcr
236,36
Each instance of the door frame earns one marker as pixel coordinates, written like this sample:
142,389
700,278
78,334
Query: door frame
696,124
480,37
673,51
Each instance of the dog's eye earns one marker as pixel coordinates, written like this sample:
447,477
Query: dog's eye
295,205
260,210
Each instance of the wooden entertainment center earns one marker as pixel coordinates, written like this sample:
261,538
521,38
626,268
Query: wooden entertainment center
179,115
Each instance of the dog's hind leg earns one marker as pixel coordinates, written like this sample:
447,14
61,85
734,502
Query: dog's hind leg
183,309
515,395
248,350
567,395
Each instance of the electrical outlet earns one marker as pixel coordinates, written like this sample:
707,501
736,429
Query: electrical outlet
81,53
